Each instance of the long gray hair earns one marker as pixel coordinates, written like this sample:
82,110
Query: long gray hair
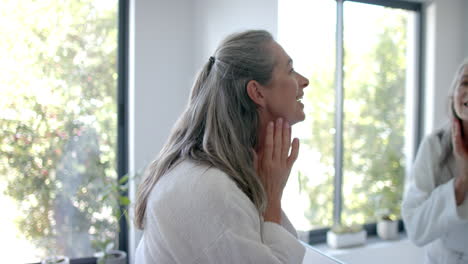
219,125
445,133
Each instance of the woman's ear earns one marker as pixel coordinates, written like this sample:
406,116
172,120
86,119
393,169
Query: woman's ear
256,92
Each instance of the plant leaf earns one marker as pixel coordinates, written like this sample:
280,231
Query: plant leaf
109,247
124,200
124,179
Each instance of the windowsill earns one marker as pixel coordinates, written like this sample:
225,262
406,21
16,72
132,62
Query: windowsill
377,250
88,260
371,242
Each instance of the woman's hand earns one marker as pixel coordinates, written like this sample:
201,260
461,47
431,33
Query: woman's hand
460,151
273,164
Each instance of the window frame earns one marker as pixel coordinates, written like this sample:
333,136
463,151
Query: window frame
319,235
123,109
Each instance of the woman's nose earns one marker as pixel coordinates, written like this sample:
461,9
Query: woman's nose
303,81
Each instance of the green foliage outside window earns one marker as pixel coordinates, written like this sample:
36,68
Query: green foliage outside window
373,133
58,119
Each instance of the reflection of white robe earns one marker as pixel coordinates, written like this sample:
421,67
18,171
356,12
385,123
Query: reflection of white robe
197,214
429,210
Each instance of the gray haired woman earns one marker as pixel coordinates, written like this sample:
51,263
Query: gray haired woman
435,204
213,195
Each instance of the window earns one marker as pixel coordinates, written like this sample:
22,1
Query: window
361,105
60,102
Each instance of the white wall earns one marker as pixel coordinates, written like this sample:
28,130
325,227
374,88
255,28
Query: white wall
162,69
446,40
214,19
160,75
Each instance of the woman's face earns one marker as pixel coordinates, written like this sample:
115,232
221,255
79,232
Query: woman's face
460,95
285,90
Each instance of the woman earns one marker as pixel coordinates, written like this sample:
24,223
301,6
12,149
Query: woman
213,195
435,206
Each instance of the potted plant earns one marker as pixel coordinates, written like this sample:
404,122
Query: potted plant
109,255
115,194
341,236
386,207
387,224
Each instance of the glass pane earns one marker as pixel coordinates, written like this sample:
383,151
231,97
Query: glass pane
376,41
306,30
58,133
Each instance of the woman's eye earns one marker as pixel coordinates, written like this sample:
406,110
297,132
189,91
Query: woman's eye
464,83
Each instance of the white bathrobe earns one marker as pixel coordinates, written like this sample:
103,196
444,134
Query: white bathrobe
197,214
429,210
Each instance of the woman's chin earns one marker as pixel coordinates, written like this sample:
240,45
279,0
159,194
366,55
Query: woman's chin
297,119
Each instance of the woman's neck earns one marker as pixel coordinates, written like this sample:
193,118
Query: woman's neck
261,134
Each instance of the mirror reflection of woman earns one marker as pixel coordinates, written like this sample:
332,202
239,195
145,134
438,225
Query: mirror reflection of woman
435,204
213,195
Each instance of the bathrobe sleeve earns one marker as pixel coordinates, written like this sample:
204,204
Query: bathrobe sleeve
429,211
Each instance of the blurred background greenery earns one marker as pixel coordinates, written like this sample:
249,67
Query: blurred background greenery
58,119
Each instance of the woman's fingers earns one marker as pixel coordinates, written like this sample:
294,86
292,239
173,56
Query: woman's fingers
278,141
273,162
278,145
294,153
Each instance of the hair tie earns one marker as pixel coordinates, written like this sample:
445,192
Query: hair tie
212,59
